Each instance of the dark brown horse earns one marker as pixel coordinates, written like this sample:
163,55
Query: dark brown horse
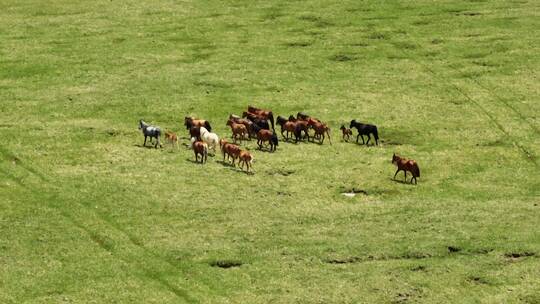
265,114
365,129
404,164
194,122
267,136
347,133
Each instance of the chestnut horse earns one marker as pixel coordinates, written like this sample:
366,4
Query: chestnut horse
265,114
200,147
406,165
269,136
287,126
193,122
320,129
245,158
172,138
238,130
246,122
229,150
347,133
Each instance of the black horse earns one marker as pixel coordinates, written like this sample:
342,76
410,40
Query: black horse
150,131
365,129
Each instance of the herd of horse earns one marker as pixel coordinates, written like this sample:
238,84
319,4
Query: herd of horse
260,124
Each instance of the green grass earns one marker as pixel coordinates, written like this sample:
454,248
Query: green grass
88,215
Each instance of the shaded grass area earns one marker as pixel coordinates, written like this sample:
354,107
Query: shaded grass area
94,216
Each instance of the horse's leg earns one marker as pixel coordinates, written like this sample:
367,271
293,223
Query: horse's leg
357,136
144,141
363,143
405,174
368,139
396,173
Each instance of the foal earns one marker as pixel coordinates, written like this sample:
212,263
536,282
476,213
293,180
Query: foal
347,133
172,138
406,165
150,131
245,158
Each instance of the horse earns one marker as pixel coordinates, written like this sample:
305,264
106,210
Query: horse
193,122
320,129
265,114
199,147
195,132
347,133
209,138
238,130
288,126
150,131
172,138
365,129
266,135
246,122
405,164
245,158
229,150
302,115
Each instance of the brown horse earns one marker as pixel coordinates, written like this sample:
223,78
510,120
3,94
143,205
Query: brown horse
286,126
406,165
267,136
245,158
265,114
246,122
172,138
194,122
238,130
200,147
320,129
229,150
347,133
195,132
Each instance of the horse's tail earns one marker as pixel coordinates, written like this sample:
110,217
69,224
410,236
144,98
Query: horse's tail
271,117
415,170
375,134
328,133
207,126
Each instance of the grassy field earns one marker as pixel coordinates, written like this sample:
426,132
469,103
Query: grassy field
87,215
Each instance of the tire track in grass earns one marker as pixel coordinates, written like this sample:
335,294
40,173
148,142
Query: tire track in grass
526,152
56,202
502,101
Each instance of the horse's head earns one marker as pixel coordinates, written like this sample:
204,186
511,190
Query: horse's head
353,122
280,120
142,124
229,122
291,118
395,158
222,142
342,127
245,114
274,139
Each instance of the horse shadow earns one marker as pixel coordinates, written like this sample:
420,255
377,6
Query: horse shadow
401,181
146,147
193,161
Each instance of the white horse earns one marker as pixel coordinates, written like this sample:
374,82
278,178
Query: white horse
211,139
